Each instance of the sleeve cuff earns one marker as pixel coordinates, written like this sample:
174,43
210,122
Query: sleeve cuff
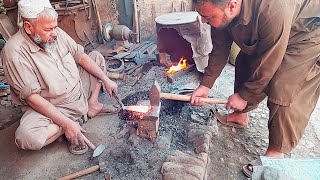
27,91
249,97
79,53
208,81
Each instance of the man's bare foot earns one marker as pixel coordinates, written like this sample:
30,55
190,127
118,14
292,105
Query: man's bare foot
99,109
239,118
94,109
273,153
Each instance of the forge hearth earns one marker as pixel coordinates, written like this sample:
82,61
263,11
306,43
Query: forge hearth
182,34
170,42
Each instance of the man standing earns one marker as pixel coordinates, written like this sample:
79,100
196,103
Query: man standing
279,59
52,78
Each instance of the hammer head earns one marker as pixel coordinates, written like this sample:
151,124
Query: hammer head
98,150
154,95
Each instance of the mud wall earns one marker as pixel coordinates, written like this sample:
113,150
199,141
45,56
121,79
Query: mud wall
108,11
120,12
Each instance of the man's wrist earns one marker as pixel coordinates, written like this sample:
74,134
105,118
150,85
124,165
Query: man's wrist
105,80
66,123
203,87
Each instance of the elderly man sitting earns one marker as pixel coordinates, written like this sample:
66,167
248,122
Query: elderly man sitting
54,80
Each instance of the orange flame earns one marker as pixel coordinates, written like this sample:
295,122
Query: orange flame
181,65
139,108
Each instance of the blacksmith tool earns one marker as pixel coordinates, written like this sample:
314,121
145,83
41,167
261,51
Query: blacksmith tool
102,167
133,69
136,108
144,70
177,97
95,8
118,100
96,150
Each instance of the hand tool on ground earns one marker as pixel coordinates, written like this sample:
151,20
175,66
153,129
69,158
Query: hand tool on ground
129,71
156,91
96,150
102,167
144,70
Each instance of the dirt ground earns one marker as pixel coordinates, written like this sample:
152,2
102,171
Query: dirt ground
230,149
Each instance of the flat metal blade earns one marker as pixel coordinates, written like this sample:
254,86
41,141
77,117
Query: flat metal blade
98,150
154,95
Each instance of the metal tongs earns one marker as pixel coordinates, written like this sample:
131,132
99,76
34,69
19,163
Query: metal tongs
118,100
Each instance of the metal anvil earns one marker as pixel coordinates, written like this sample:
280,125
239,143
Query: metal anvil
148,124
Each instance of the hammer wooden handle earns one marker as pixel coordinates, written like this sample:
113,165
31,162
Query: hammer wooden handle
81,173
179,97
92,146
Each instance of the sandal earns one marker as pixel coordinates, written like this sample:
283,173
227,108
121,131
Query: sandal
77,150
248,168
223,120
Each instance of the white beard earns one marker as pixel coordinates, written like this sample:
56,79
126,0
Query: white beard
48,47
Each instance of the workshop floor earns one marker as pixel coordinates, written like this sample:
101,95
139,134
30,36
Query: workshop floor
230,150
54,160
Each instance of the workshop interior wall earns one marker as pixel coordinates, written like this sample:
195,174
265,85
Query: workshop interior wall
120,12
108,10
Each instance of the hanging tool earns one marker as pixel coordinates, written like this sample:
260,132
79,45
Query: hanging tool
183,6
87,9
136,21
95,8
90,41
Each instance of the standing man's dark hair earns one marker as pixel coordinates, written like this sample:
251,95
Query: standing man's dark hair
216,2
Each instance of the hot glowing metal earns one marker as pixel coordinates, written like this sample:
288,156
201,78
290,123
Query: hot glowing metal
138,108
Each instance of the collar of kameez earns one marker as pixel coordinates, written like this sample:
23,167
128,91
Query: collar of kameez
32,45
246,12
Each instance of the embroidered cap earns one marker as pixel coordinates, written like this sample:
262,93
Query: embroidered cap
31,8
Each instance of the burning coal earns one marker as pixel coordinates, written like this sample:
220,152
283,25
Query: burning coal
180,66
